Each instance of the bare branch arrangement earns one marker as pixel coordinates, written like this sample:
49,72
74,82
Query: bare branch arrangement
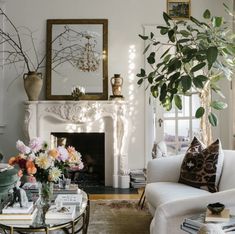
68,50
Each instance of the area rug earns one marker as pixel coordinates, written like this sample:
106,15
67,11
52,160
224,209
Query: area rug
118,217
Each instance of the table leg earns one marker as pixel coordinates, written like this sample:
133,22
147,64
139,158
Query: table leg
47,230
12,230
86,217
73,228
142,199
142,206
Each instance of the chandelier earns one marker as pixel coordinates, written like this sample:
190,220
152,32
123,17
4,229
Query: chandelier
89,60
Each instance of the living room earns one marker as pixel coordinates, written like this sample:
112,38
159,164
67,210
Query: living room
128,122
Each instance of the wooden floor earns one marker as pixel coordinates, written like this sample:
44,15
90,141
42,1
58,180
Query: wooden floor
116,196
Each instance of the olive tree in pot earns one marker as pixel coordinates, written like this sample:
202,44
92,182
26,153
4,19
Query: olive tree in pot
203,55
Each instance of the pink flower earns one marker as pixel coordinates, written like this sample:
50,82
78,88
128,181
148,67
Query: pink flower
63,154
22,147
35,144
81,166
71,149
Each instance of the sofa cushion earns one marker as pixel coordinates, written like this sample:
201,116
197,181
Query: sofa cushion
162,192
201,167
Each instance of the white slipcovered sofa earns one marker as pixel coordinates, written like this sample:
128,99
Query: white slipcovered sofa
170,202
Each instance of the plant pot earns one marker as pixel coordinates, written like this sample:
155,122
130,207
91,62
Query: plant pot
33,85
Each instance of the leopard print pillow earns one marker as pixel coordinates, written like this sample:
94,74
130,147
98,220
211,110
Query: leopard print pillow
201,167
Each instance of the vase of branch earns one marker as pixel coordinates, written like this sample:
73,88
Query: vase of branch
33,84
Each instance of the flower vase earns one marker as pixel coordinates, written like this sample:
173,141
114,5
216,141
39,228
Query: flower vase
33,85
45,193
45,190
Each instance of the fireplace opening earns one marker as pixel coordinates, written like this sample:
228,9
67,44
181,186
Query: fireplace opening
92,148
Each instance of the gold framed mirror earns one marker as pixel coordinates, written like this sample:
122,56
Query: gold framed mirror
77,55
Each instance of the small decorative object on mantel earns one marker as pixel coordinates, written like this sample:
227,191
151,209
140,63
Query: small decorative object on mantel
78,92
116,83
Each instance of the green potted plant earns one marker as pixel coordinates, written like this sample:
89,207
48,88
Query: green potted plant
203,55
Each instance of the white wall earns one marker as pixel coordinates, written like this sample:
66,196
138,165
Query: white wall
2,92
126,18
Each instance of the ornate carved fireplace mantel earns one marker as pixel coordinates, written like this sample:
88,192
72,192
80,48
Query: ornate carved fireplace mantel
111,117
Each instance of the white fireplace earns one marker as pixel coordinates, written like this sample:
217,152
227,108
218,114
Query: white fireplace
110,117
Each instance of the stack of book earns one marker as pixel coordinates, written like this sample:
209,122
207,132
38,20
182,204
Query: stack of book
69,199
138,178
194,223
66,213
31,190
18,215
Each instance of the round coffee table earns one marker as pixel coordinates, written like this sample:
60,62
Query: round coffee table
79,224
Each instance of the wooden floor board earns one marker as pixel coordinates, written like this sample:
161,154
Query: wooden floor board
116,196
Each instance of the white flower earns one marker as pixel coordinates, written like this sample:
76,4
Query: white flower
35,144
43,161
54,174
22,147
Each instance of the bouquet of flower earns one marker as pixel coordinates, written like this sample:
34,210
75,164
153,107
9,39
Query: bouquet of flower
44,164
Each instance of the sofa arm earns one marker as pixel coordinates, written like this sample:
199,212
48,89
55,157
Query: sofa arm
170,216
165,169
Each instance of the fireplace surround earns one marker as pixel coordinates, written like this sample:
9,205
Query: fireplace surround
110,117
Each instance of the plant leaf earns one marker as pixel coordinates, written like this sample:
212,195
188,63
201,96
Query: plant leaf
166,18
178,102
217,21
218,105
146,48
194,20
167,58
171,35
159,78
212,54
198,83
140,81
201,78
186,83
185,33
213,119
163,93
198,67
143,37
199,112
207,14
142,73
156,43
151,58
166,52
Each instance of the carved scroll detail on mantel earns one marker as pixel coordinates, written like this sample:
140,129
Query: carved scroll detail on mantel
76,113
